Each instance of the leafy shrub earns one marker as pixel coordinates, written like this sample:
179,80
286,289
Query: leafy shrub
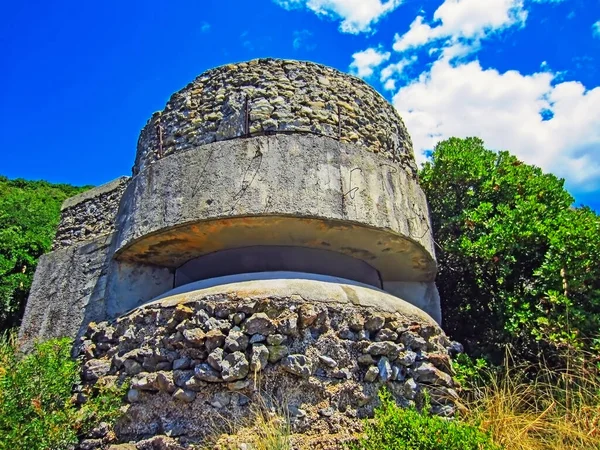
395,428
36,409
29,215
517,263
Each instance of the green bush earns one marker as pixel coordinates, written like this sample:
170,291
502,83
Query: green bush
29,215
36,407
408,429
518,265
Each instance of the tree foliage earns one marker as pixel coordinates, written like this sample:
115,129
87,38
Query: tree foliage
29,215
518,264
37,409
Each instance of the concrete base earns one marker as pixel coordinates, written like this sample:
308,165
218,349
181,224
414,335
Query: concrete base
81,284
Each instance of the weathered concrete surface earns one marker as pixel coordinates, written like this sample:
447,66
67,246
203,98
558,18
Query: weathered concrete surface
90,214
276,96
68,290
423,295
82,283
298,190
303,289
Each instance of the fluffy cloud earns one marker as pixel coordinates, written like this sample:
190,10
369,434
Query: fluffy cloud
553,125
596,29
302,40
462,20
357,16
396,69
365,62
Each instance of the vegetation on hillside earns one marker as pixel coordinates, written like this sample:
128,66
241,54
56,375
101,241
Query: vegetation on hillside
37,409
518,265
29,215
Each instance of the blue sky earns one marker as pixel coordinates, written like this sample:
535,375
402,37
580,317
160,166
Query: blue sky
80,79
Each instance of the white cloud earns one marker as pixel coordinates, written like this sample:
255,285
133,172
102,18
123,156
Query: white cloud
390,85
365,62
504,109
462,20
596,29
205,27
357,16
302,40
396,69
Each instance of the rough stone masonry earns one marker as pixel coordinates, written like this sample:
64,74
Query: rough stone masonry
273,243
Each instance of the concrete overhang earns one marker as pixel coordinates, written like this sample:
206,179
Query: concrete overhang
396,257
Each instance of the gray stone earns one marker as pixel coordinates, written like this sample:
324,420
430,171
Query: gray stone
133,396
184,396
375,322
238,385
238,318
363,335
411,389
276,352
413,341
215,358
276,339
288,326
346,334
425,372
205,372
327,361
236,341
234,367
221,399
407,358
259,323
299,365
372,374
327,412
95,368
385,369
365,360
257,338
164,380
194,336
386,335
182,363
132,367
259,357
214,339
386,348
397,373
181,377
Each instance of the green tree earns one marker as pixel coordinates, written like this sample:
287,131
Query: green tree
517,263
29,215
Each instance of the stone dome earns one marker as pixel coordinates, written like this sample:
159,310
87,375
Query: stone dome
267,96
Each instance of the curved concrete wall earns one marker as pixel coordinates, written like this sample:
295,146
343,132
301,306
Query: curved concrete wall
268,96
297,190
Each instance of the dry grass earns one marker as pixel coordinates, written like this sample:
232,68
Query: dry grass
558,410
266,428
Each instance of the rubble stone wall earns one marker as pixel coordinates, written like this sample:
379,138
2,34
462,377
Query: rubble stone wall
192,364
90,214
276,96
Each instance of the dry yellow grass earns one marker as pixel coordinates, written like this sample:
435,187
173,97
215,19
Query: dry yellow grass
555,411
